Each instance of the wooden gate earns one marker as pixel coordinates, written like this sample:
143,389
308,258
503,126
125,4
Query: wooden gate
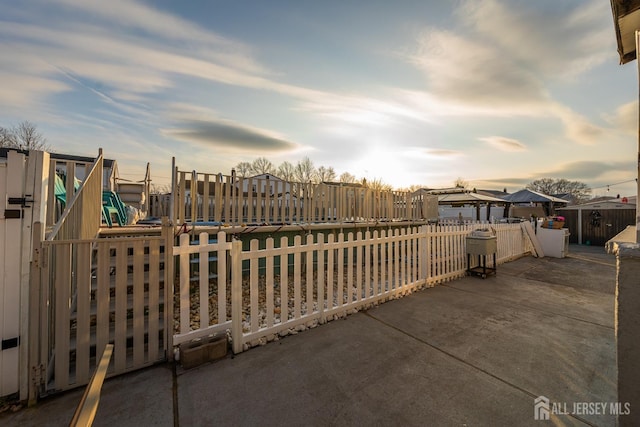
96,292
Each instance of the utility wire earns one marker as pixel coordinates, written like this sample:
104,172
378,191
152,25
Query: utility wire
617,183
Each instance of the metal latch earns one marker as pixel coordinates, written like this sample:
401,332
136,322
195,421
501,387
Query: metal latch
22,201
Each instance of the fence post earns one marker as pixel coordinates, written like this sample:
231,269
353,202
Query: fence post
422,236
236,296
34,316
167,238
427,253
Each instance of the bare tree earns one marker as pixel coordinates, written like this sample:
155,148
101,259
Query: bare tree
326,174
262,165
243,169
579,191
305,171
286,171
461,183
7,139
347,178
412,188
27,137
377,184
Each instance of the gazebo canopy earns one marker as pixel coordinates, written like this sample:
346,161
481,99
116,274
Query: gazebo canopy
530,196
467,198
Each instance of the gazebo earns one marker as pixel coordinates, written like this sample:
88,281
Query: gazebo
468,198
531,197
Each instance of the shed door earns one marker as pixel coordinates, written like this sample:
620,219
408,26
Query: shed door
12,180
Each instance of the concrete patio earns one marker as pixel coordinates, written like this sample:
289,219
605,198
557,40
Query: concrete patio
470,352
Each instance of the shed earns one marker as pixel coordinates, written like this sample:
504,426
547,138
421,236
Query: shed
595,223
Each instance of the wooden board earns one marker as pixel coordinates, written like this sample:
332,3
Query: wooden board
528,229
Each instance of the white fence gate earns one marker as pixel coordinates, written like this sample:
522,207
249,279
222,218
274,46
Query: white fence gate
21,193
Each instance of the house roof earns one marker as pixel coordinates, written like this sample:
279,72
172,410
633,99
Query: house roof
107,163
602,204
530,196
266,176
450,190
626,19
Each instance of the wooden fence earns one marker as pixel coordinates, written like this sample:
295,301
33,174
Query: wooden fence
88,293
284,286
234,200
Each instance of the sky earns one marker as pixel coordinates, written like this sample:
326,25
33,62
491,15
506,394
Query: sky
413,92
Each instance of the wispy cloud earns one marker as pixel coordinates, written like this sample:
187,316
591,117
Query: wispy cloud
504,144
442,152
587,170
550,39
625,118
503,58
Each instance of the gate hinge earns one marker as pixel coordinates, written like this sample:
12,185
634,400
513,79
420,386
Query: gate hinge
37,257
38,375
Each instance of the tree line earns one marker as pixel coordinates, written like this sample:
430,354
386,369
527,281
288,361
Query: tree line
579,191
23,136
304,171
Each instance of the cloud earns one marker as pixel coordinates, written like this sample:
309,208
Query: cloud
625,118
504,144
442,152
587,170
593,173
229,136
467,71
22,92
502,55
137,16
551,38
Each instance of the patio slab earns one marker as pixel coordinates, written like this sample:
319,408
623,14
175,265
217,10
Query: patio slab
468,352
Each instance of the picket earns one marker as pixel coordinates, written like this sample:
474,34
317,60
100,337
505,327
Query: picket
289,287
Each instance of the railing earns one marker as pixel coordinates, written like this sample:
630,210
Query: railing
82,215
233,200
69,168
281,287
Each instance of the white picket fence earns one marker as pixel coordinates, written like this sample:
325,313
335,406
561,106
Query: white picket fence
261,293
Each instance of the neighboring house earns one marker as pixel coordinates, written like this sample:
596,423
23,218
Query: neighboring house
266,184
82,165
